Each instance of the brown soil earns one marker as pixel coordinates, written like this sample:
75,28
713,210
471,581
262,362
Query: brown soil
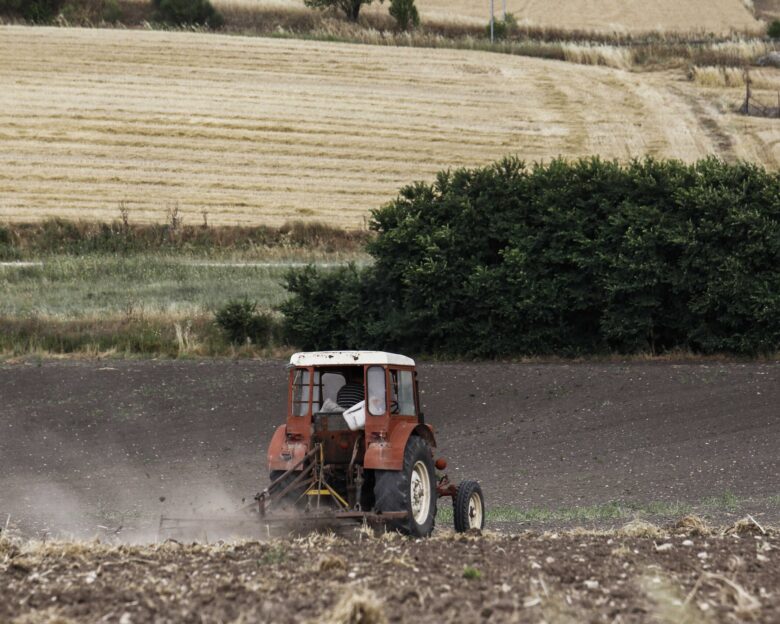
532,577
89,447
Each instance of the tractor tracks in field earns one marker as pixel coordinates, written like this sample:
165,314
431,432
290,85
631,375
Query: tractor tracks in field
708,122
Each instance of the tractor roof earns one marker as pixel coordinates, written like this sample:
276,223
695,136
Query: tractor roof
349,358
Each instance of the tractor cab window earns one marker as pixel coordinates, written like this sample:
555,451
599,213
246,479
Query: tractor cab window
301,392
337,390
332,383
402,393
377,394
352,390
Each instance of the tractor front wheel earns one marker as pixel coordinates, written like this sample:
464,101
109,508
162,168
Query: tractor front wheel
411,489
468,507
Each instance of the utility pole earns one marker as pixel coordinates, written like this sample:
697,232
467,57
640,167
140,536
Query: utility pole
491,21
504,10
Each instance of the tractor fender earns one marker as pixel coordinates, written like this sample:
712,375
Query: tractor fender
389,455
282,454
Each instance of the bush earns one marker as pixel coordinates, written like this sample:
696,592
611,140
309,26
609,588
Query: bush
405,14
37,11
183,12
343,308
241,323
112,12
566,258
91,11
502,29
773,31
7,249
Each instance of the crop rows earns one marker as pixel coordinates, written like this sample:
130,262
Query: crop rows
255,130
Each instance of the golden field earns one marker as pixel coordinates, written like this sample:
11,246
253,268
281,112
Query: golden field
696,16
257,130
619,15
607,15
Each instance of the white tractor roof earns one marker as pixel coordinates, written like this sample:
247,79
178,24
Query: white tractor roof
349,358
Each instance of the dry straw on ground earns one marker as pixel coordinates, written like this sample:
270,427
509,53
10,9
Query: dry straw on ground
262,130
735,77
357,606
568,576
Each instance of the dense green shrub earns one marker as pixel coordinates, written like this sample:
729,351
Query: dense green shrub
242,323
7,251
503,28
343,311
182,12
38,11
773,31
405,14
91,11
564,258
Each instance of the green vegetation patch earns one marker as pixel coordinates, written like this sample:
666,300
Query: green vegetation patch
95,285
152,289
616,510
302,240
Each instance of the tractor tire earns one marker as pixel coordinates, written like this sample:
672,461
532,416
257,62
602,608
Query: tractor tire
411,489
468,507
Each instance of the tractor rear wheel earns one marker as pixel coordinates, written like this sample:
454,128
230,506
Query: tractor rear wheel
468,507
411,489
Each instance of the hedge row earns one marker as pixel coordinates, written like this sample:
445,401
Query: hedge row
564,258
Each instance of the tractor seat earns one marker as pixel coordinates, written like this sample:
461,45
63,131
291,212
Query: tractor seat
350,394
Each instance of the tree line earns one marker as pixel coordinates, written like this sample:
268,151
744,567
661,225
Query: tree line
188,12
564,258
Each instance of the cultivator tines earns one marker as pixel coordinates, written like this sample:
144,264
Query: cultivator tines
280,508
307,478
206,528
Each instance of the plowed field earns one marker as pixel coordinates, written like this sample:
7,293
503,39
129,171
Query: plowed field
116,444
102,448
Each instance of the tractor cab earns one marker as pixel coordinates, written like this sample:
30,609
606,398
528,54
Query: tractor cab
338,398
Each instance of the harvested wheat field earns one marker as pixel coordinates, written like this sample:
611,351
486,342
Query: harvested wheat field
254,130
718,16
623,16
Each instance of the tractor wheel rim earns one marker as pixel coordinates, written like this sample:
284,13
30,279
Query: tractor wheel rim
475,511
420,492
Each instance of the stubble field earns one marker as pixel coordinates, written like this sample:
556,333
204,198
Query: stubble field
640,574
625,16
254,130
607,15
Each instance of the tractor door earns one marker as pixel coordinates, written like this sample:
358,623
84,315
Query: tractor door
377,418
393,416
402,402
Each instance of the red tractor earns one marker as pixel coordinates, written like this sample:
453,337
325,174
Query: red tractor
356,447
